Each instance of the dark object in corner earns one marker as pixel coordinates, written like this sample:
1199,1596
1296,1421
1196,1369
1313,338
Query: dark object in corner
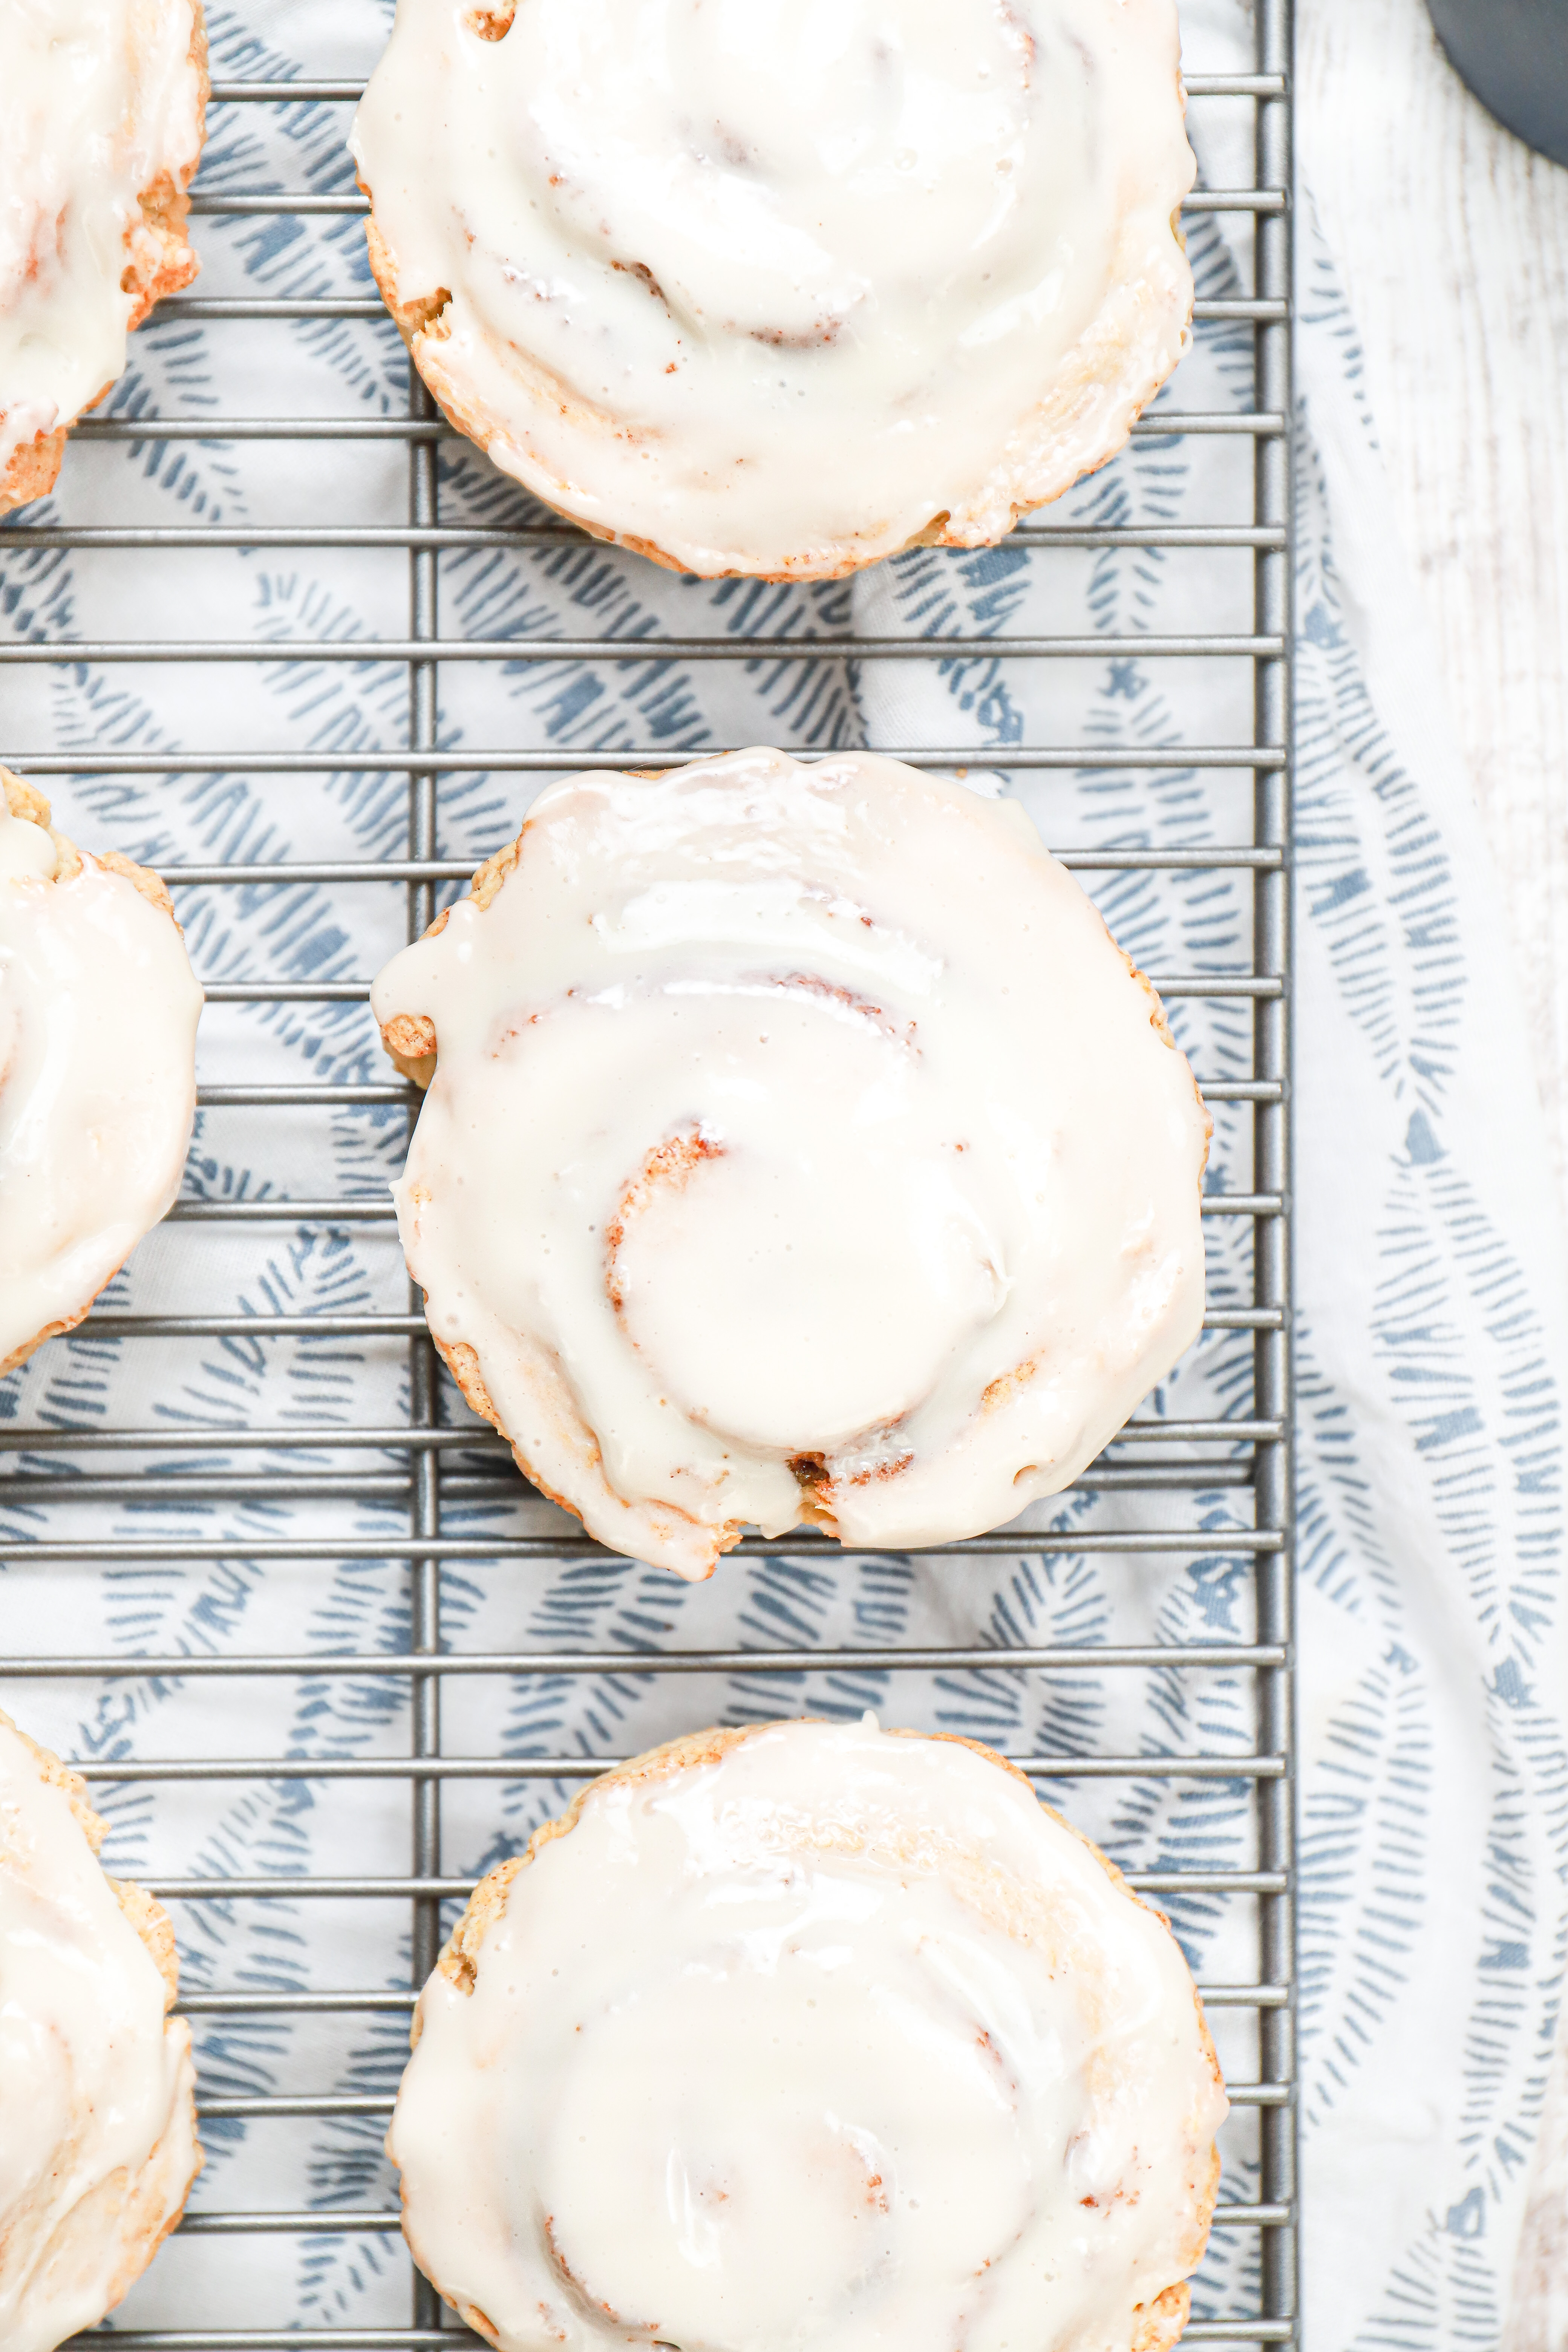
1514,55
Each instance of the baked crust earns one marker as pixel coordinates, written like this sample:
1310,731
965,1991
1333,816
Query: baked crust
158,261
25,800
1164,2317
151,1922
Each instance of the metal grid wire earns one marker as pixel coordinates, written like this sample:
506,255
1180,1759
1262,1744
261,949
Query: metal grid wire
437,1473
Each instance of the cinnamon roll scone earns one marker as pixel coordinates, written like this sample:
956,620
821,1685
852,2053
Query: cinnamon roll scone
798,1145
811,2038
97,2121
98,1037
781,290
105,111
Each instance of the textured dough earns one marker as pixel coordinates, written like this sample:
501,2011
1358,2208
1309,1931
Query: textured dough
98,2145
105,104
780,286
98,1008
800,1145
811,2038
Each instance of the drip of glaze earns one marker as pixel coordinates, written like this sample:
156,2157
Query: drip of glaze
27,850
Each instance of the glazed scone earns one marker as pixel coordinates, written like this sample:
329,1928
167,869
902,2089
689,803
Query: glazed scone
811,2038
105,109
798,1145
97,1069
98,2120
782,290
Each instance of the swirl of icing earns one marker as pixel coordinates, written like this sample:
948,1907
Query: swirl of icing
98,1089
811,2038
769,287
799,1145
105,101
98,2145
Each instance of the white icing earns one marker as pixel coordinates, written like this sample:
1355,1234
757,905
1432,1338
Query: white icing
769,286
94,2081
98,1022
101,99
26,849
783,1111
841,2043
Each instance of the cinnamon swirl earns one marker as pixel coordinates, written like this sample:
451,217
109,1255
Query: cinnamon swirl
798,1145
811,2038
98,2143
98,1027
781,289
105,105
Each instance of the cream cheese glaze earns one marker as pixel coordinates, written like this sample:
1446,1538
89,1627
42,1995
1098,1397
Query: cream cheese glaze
800,1144
811,2038
764,287
104,102
98,1020
97,2122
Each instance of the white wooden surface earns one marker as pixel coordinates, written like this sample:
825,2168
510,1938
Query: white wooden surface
1454,242
1454,239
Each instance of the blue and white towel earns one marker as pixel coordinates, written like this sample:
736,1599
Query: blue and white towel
1430,1365
1431,1277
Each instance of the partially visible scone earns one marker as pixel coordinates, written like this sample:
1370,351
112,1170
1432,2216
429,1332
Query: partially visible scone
98,1025
105,113
97,2122
782,292
810,2035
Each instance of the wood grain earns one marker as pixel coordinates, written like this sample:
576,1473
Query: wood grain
1453,238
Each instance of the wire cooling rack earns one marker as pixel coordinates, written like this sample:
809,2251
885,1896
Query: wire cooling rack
291,1611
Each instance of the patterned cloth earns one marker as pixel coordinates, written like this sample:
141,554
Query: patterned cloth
1430,1275
1429,1364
